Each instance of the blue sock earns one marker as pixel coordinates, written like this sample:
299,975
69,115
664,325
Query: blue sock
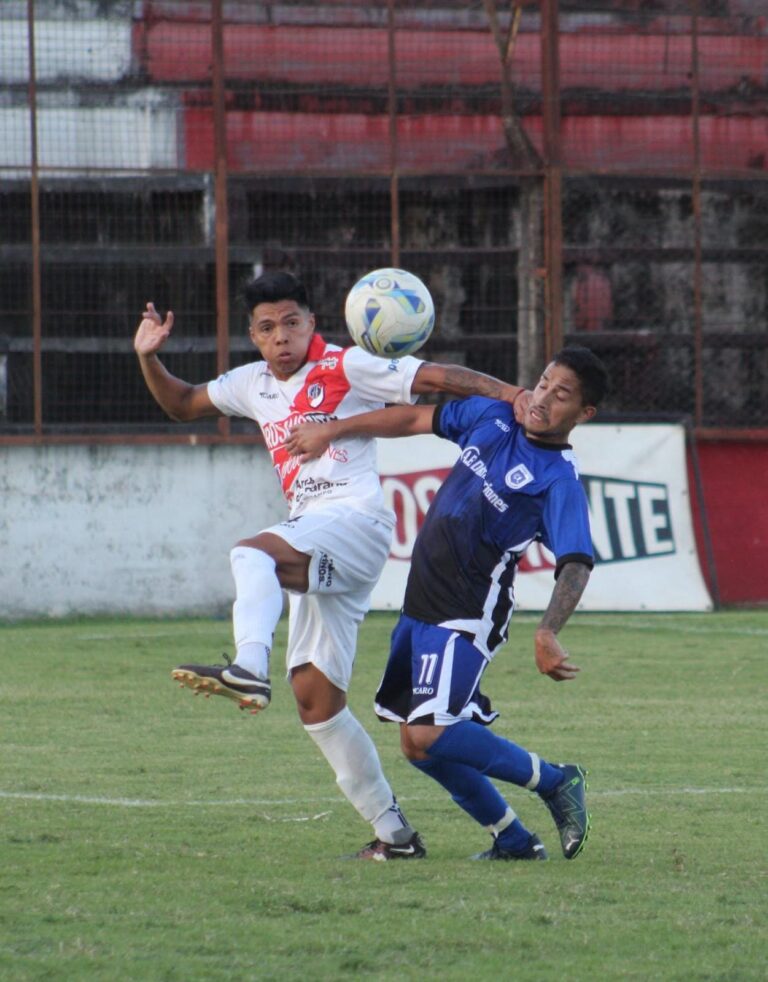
515,836
475,745
469,789
473,792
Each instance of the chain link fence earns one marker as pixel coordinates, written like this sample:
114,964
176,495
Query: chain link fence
556,172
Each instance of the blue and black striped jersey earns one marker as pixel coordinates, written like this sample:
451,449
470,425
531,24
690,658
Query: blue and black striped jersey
504,492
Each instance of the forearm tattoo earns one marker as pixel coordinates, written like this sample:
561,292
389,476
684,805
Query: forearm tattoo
566,595
460,381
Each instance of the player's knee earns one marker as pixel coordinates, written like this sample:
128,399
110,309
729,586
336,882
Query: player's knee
414,743
317,698
251,556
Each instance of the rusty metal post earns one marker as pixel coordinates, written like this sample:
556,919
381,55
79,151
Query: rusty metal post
698,367
394,181
34,193
220,196
553,217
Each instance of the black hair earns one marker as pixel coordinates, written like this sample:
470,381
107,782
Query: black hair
588,368
273,286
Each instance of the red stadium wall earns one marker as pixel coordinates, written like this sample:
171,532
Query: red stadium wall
735,485
599,133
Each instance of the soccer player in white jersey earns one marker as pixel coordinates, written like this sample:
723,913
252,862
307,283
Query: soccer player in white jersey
330,551
513,484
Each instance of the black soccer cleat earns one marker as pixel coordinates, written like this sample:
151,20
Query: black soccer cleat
382,852
249,691
567,806
534,849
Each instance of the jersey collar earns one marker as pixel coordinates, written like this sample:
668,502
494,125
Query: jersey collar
541,445
316,348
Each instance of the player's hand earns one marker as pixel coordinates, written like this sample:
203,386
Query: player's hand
552,658
522,402
307,441
153,331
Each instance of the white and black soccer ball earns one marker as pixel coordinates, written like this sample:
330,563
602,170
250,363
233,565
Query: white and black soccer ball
389,312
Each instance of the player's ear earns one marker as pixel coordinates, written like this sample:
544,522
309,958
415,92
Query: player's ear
587,413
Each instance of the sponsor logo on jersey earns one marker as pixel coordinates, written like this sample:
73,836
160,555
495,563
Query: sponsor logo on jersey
311,487
495,499
286,468
325,570
268,395
502,425
394,365
291,522
518,477
470,457
329,364
423,690
275,434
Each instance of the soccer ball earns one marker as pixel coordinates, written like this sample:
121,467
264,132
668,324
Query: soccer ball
389,312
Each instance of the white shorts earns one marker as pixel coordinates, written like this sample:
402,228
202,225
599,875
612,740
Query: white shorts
347,550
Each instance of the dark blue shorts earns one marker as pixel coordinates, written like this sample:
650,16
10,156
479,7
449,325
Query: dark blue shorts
432,677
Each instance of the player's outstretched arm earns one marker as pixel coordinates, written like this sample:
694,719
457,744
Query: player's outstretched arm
551,657
180,400
309,440
456,380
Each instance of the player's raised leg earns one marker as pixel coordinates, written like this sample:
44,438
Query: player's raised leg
261,567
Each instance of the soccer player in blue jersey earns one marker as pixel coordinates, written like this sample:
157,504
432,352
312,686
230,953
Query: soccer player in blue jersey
514,483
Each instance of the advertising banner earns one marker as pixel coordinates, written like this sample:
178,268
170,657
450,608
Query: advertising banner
635,479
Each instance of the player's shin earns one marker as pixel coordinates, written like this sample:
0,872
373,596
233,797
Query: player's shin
475,794
352,755
257,608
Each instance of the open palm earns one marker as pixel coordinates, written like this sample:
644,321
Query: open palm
153,331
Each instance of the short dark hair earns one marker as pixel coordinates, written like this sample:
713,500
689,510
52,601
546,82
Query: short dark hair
588,368
273,286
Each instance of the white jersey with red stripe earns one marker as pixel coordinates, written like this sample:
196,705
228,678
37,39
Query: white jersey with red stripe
334,383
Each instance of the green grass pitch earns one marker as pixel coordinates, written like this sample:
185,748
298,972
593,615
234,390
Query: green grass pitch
148,834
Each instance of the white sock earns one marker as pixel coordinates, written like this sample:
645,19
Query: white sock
536,775
254,658
351,753
257,608
506,819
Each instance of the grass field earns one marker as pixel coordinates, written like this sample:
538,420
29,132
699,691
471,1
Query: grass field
147,834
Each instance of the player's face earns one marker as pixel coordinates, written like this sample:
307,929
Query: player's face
556,405
282,332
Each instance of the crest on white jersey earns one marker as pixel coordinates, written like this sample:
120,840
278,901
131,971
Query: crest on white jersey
315,394
518,477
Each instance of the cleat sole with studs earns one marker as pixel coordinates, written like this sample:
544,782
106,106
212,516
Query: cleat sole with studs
209,687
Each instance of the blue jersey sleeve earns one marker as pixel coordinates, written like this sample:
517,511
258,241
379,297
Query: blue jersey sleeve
455,420
566,520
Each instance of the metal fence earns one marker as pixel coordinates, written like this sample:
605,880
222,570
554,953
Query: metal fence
556,172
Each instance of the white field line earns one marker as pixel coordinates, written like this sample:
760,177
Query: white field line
583,619
78,799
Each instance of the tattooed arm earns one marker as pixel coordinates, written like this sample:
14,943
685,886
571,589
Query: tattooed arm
551,657
456,380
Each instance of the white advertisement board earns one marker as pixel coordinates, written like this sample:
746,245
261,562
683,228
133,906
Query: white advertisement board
636,483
